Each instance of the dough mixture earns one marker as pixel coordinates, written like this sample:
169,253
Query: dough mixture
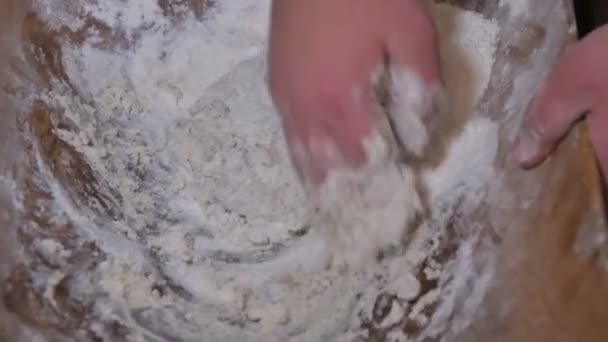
199,223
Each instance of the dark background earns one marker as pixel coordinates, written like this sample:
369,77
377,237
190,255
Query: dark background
590,14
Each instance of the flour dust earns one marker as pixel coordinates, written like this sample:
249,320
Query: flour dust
212,239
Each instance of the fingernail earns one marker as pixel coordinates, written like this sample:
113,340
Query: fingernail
526,146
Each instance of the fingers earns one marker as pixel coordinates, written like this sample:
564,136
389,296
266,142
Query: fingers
413,44
313,156
566,96
321,84
335,142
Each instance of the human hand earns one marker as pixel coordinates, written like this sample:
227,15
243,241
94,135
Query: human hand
322,55
577,87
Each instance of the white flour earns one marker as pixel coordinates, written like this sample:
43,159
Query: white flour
358,212
208,246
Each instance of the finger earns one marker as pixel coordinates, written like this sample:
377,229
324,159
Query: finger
352,123
410,104
564,98
413,45
314,152
346,118
416,83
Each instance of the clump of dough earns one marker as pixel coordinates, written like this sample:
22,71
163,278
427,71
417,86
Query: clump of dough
362,211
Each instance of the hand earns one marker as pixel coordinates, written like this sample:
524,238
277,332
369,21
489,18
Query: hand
576,88
322,55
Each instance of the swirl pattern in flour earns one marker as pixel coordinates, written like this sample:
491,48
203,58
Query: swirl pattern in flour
198,221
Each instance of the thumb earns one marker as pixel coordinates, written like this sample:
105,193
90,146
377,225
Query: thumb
417,50
562,100
416,85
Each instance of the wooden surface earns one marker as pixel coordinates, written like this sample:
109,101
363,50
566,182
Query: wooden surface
552,278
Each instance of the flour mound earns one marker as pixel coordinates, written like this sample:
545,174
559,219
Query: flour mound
410,101
365,210
208,241
362,211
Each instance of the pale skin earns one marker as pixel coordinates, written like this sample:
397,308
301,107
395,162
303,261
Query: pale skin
322,50
322,55
576,88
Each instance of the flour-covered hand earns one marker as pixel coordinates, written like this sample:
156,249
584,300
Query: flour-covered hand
576,88
322,55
